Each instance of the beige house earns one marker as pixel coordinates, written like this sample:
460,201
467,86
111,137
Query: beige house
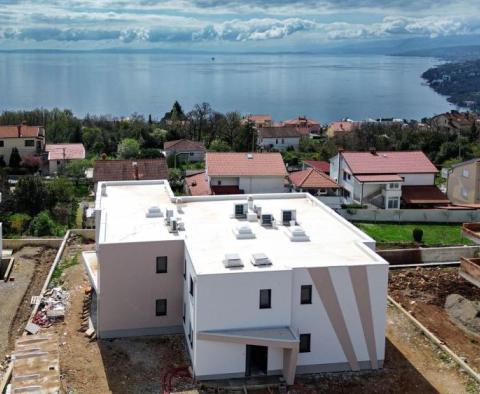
463,183
29,140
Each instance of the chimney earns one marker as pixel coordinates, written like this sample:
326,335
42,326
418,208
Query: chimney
135,170
104,156
19,130
372,150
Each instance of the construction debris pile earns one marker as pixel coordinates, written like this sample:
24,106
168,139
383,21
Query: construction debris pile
431,285
52,307
87,325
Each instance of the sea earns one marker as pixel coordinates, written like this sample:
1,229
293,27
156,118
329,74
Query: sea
325,88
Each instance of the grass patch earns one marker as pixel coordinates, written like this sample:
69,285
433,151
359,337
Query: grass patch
433,234
62,266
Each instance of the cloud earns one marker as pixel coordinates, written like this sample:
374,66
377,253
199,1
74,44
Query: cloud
254,29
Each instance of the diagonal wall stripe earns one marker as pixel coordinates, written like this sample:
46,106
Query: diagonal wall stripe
359,278
325,289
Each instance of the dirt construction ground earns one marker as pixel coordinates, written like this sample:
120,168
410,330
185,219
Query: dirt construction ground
138,365
423,293
29,273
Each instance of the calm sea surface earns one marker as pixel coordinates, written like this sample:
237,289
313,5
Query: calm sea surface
323,87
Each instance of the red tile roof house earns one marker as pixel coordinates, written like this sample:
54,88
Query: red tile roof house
60,154
258,120
29,140
185,150
279,138
385,179
238,173
304,125
320,165
129,170
318,184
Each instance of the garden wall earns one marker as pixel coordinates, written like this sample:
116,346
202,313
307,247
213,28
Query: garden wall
429,255
411,215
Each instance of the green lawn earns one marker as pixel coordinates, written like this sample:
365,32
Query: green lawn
433,234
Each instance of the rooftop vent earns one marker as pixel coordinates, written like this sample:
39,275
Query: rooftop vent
289,216
243,231
173,225
104,190
240,210
232,260
297,234
260,259
249,156
168,215
266,219
154,212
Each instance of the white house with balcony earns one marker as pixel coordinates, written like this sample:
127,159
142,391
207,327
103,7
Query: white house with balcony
261,284
387,180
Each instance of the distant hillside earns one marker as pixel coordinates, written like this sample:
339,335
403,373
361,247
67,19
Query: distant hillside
459,81
467,52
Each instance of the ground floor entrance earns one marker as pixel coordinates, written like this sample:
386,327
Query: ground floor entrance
256,360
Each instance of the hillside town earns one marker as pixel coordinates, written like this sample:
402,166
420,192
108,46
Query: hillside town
209,252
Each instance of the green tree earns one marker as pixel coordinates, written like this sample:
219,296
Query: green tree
43,225
219,146
76,169
19,222
30,195
128,149
15,159
175,179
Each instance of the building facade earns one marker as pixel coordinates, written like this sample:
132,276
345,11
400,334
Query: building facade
386,179
185,150
271,284
28,140
463,183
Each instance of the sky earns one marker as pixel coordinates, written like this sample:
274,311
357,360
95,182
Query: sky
230,25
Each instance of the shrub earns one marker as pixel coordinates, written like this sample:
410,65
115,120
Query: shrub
15,159
19,222
417,234
43,225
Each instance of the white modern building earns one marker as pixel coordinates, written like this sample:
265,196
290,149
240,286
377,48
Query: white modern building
387,179
263,284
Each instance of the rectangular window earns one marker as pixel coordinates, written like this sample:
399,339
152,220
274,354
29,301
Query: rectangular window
393,203
161,307
185,269
306,294
304,343
344,176
190,334
2,143
393,185
29,143
265,299
191,286
161,264
184,312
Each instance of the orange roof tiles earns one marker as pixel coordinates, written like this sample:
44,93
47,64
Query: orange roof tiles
245,164
320,165
65,151
312,179
406,162
184,145
379,178
123,170
198,184
20,131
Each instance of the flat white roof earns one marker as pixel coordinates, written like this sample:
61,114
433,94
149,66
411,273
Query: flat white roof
209,223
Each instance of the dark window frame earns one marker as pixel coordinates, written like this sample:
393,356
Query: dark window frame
161,260
268,304
2,143
161,307
192,286
305,343
29,143
306,299
185,269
